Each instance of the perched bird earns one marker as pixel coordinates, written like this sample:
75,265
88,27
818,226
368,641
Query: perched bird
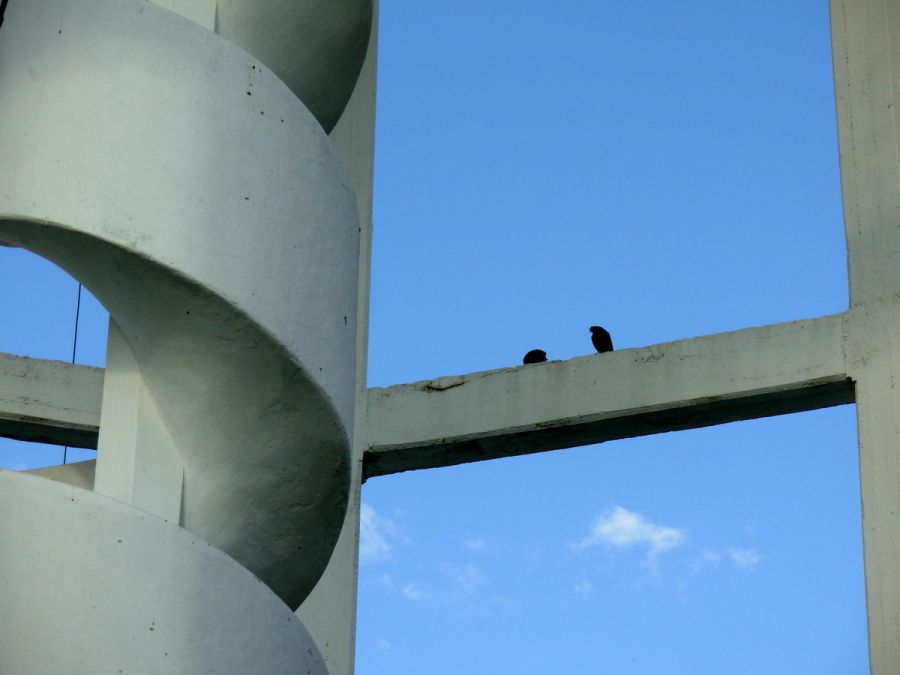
601,339
535,356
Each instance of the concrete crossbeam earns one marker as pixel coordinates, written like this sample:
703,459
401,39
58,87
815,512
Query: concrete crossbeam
751,373
49,401
758,372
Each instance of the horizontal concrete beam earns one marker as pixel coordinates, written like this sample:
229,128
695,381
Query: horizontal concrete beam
758,372
50,401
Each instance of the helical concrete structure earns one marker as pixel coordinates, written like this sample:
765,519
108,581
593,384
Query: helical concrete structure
181,170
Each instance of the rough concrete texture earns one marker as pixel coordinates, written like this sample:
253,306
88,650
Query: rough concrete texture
102,587
329,612
316,46
685,384
866,43
200,201
49,401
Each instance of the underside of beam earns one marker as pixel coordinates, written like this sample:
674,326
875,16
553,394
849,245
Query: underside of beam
49,401
758,372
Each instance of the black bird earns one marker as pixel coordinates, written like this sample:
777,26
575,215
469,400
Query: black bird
601,339
535,356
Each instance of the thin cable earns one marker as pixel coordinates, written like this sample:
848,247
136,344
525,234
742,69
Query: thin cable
74,348
77,314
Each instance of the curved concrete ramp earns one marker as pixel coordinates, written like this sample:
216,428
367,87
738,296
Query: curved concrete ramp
101,587
316,46
191,191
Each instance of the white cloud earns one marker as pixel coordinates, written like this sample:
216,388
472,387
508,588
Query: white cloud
377,535
384,645
623,528
744,559
465,580
413,592
386,581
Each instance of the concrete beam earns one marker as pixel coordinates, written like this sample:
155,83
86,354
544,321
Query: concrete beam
50,401
758,372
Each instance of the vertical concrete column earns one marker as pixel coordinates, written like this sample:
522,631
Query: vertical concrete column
329,613
866,44
137,462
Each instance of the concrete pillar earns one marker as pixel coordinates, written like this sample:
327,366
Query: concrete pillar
137,462
866,43
329,613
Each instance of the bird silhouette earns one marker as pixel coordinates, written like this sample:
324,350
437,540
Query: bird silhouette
535,356
601,339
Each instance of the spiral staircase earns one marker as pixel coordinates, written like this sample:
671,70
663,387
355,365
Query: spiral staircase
174,157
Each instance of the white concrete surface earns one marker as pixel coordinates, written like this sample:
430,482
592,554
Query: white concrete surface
315,46
49,401
249,339
202,12
219,229
329,612
866,43
137,460
678,385
77,474
93,585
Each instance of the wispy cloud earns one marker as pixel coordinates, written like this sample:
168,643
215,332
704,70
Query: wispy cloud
742,559
622,528
457,585
377,535
414,592
465,581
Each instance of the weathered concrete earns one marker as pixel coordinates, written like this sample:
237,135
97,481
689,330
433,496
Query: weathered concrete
329,613
866,43
686,384
316,46
231,269
49,401
92,585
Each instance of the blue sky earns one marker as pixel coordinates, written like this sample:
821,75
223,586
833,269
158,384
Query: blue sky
666,170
